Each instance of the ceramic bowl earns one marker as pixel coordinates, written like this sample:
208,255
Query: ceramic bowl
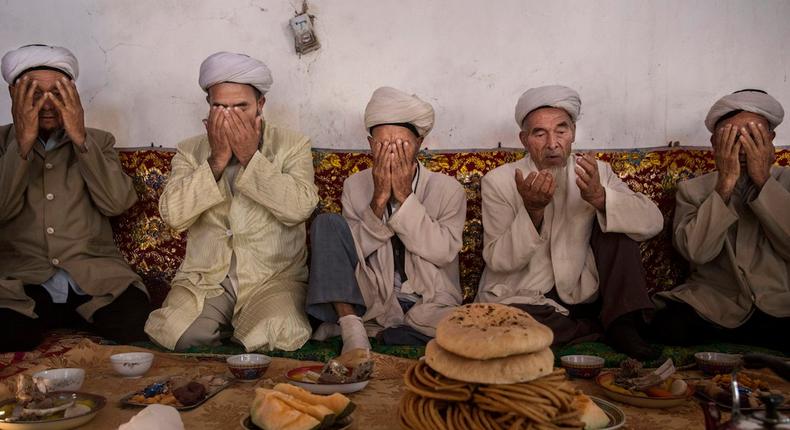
582,366
132,364
67,379
714,363
248,367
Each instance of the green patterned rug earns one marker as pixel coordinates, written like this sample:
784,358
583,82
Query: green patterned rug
322,351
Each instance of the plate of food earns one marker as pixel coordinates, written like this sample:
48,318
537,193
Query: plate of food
33,408
347,373
310,378
616,415
634,386
343,424
290,407
179,392
718,390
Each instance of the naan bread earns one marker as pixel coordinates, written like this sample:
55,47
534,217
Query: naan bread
490,330
505,370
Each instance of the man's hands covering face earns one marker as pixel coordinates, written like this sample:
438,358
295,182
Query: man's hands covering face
68,103
393,173
758,147
760,153
25,114
26,110
230,133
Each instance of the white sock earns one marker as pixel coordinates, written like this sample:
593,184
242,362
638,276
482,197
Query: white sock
326,330
353,333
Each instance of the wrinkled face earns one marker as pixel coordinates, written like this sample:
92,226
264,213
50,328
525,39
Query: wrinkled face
49,118
548,134
242,96
391,133
741,119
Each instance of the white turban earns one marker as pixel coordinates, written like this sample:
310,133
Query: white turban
747,100
555,96
27,57
390,106
236,68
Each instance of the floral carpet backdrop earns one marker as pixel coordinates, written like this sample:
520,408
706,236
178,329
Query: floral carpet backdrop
155,251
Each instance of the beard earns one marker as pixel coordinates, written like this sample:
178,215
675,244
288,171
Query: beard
560,175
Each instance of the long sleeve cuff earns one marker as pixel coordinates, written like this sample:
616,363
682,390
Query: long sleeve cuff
375,225
632,214
258,166
190,196
773,200
410,209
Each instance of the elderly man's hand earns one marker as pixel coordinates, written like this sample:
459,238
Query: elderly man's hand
25,114
536,191
760,153
402,171
217,131
245,135
726,147
589,181
382,177
67,102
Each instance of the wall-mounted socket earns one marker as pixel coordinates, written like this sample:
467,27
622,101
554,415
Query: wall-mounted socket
304,36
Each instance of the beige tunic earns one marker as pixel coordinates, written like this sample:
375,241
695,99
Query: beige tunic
739,252
54,210
261,224
523,264
430,224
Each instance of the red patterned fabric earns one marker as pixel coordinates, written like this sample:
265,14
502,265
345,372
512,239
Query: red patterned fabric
151,248
155,251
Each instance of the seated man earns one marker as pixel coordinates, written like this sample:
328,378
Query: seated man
733,225
560,232
391,260
59,183
244,191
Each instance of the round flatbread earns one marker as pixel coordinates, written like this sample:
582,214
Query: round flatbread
506,370
491,330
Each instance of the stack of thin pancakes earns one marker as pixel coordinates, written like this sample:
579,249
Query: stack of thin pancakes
490,367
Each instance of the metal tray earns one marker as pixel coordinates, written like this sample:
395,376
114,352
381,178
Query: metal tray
126,400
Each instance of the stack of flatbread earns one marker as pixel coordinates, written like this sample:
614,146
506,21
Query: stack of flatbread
490,367
489,343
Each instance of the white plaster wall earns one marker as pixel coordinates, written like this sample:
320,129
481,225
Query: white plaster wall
647,71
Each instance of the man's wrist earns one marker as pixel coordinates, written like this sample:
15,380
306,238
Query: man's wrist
379,200
401,197
536,215
724,189
24,149
79,139
599,202
217,167
726,184
760,180
377,207
247,158
80,145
